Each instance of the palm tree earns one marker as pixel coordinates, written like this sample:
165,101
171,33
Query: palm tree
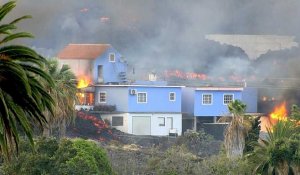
295,113
236,131
64,94
23,97
280,152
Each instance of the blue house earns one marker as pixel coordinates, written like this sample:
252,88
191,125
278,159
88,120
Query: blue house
207,104
97,63
142,109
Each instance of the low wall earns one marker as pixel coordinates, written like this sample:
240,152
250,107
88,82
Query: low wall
215,129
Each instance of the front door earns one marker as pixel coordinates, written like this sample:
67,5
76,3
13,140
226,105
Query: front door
169,123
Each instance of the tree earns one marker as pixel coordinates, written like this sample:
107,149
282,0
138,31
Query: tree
295,112
64,94
66,156
252,135
23,97
235,132
279,154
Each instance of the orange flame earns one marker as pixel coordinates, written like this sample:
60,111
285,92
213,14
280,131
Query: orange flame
83,82
279,113
201,76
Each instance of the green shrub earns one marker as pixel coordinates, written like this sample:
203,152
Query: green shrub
220,165
67,156
199,143
177,160
89,159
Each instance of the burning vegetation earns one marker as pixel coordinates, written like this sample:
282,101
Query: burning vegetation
199,76
279,113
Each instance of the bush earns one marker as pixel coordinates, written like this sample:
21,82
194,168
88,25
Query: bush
199,143
177,160
67,156
220,165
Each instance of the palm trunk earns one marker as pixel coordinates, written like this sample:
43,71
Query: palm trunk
46,128
62,128
46,131
295,168
234,140
283,168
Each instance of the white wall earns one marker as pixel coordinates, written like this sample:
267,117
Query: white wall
155,128
79,66
123,128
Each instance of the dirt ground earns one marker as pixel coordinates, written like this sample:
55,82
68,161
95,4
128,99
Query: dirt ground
131,154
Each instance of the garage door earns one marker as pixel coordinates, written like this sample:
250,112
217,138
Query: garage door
141,125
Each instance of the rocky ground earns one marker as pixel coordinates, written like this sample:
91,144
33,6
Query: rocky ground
130,154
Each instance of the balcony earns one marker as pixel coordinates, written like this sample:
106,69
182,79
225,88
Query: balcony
104,108
84,107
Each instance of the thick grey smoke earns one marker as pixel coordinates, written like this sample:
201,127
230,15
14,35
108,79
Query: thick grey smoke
168,34
151,30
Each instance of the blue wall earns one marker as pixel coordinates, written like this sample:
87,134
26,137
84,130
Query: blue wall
157,99
188,96
111,70
115,95
217,108
249,97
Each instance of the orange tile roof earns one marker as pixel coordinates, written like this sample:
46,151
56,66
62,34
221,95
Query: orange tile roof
83,51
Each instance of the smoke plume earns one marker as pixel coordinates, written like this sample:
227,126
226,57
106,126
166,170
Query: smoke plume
160,35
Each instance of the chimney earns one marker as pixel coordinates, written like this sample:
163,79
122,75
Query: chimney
152,77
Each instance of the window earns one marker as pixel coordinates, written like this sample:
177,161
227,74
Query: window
227,98
117,121
102,97
112,57
161,121
142,97
206,99
172,96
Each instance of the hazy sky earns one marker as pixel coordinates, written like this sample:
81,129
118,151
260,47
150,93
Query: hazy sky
167,31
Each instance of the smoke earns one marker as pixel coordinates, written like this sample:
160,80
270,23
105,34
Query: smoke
160,35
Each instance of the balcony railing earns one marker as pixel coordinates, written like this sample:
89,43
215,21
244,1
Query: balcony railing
105,108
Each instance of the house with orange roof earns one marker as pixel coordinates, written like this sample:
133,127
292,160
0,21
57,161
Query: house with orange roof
95,63
140,109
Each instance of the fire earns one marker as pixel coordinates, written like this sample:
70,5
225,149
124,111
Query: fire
279,113
83,82
201,76
185,75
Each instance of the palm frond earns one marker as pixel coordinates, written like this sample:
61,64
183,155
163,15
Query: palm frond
5,28
16,36
64,92
23,93
21,18
6,8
